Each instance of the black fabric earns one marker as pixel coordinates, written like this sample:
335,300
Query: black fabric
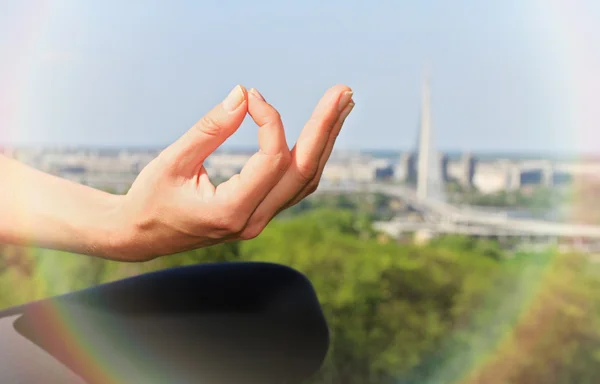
210,323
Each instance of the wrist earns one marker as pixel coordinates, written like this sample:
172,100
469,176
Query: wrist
124,233
110,238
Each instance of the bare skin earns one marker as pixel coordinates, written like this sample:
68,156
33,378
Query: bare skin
172,206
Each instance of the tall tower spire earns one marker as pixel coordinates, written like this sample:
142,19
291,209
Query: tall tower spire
430,182
424,149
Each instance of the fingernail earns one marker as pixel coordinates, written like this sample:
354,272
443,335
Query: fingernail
346,111
257,94
344,100
234,99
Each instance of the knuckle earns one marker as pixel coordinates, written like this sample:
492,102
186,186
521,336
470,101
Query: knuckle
322,123
312,188
252,231
165,161
317,125
236,227
165,156
336,131
230,222
274,115
210,126
306,171
235,224
283,161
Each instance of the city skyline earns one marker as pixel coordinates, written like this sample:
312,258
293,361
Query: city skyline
377,152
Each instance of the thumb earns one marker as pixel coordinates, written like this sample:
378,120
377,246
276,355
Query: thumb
208,133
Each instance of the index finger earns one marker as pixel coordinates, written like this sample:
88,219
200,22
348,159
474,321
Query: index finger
208,133
266,167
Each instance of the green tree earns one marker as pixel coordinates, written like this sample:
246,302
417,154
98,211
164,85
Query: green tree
397,313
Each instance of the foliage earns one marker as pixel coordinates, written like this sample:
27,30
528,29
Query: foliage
557,340
374,206
456,310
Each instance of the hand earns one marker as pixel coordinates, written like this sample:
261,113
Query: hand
172,206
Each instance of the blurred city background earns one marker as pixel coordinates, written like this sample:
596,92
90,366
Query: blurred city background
477,264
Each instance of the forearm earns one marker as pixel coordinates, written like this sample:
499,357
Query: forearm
43,210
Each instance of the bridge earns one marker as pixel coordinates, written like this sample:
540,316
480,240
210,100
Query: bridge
442,217
428,198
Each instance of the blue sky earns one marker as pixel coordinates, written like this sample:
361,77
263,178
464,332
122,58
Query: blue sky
142,72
